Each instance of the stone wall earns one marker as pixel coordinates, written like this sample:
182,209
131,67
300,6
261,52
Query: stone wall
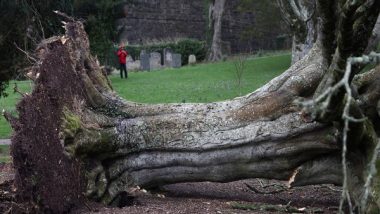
234,24
157,20
148,20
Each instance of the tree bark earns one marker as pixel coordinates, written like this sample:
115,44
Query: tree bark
300,16
259,135
216,11
116,144
374,41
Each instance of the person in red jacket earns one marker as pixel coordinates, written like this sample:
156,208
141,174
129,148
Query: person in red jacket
122,54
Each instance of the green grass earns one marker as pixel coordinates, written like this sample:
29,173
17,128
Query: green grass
4,154
9,104
200,83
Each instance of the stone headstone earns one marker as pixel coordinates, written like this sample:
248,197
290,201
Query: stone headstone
144,61
132,65
129,59
192,59
155,61
168,58
177,60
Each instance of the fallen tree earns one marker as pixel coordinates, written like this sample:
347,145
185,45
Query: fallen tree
75,138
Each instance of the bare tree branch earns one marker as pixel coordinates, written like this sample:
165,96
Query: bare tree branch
28,55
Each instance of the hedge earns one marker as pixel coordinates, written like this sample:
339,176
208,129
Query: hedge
185,47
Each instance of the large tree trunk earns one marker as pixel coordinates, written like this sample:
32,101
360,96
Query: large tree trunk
216,11
300,16
374,41
120,144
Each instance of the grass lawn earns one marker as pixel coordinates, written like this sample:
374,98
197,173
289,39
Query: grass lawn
200,83
9,103
4,154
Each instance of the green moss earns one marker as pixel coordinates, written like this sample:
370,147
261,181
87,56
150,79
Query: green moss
71,124
94,142
96,183
329,137
34,180
111,111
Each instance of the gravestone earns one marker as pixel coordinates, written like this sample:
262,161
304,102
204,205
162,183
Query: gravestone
144,61
177,60
129,59
155,61
132,65
192,59
168,58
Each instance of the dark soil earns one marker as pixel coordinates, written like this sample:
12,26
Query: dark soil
205,197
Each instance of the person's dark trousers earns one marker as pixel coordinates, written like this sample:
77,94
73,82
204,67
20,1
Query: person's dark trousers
123,68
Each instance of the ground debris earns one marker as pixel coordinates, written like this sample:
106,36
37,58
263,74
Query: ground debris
276,208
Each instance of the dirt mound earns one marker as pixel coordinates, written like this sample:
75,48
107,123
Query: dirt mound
45,176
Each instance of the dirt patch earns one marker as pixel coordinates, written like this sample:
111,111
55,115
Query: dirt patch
208,197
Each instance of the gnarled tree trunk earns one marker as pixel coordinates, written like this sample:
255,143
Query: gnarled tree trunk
119,144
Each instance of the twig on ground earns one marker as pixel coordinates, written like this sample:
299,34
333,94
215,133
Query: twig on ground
261,182
88,207
275,208
280,189
331,188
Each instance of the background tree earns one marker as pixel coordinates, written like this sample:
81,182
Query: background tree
216,16
300,16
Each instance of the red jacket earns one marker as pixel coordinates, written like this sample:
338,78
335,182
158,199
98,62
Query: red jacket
122,54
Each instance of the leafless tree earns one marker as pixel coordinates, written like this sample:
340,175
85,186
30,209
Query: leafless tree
216,11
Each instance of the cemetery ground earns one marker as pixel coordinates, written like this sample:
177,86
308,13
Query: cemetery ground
200,83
